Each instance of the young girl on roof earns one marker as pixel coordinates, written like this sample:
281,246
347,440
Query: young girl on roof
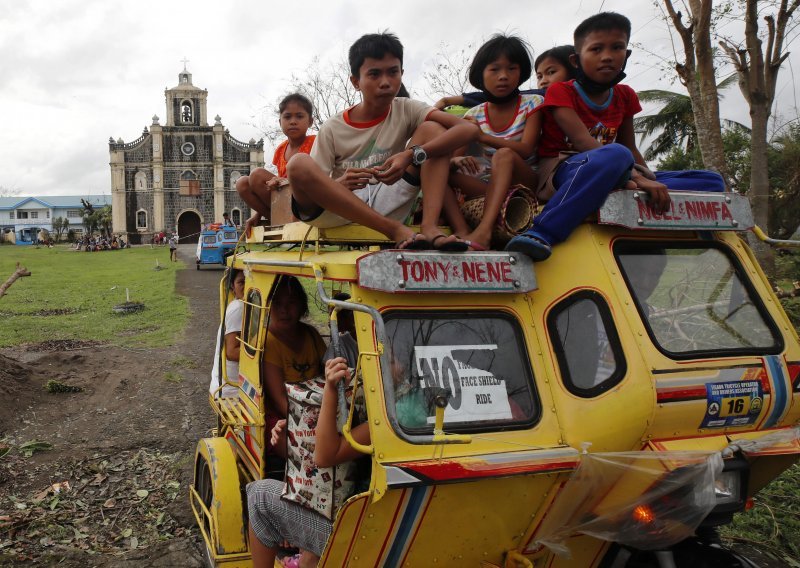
554,66
295,111
509,131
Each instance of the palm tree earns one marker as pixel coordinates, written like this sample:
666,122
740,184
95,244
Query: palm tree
673,125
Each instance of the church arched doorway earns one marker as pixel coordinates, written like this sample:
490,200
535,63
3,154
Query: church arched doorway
189,227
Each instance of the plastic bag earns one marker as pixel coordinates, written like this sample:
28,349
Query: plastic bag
646,500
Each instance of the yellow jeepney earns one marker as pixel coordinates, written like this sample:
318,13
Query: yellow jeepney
605,408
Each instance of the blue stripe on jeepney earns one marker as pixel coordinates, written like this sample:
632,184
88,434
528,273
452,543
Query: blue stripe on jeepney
411,517
780,396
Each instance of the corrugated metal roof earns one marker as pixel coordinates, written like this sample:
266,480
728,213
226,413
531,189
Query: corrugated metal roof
54,200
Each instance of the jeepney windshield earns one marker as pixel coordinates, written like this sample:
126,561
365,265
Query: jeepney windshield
696,299
479,358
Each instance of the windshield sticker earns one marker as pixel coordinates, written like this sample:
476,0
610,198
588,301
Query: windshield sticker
732,403
475,394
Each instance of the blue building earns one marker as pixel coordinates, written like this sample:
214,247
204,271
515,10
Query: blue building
21,218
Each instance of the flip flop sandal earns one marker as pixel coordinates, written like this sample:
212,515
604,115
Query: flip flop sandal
450,246
414,242
476,247
533,246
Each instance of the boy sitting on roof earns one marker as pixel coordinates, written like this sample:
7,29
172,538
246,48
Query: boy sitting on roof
591,119
360,169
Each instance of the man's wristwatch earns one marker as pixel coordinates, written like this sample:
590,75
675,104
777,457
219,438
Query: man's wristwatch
418,155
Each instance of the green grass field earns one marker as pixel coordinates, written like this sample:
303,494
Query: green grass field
70,295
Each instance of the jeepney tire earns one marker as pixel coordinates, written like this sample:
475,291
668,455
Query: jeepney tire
197,266
218,484
206,491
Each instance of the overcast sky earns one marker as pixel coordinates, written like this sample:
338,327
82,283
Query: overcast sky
75,72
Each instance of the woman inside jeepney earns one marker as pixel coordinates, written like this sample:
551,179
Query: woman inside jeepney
230,337
293,350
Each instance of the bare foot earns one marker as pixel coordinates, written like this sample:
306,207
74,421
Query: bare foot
480,240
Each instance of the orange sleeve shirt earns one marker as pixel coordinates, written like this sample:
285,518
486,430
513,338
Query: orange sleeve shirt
279,159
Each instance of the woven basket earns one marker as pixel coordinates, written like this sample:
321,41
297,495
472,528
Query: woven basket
516,214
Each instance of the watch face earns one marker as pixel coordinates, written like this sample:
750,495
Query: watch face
187,148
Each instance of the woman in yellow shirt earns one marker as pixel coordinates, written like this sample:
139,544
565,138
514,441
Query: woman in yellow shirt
293,350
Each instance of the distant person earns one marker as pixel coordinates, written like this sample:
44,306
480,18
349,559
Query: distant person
226,220
296,117
230,337
173,248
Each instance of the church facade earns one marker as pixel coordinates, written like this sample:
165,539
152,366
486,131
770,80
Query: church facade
179,176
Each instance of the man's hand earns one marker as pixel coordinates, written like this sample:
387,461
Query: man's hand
356,178
659,195
392,169
278,434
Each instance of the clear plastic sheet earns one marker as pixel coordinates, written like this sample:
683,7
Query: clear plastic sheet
786,440
646,500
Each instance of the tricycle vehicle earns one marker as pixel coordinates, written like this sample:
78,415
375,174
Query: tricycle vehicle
215,244
606,408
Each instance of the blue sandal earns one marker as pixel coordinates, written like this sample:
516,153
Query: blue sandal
530,244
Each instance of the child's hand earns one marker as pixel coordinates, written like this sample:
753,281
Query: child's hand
278,435
659,195
336,370
392,169
441,104
356,178
466,165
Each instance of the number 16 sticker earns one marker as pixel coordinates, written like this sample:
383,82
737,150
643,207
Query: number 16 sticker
732,403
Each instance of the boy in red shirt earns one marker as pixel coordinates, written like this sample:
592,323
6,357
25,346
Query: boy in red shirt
591,118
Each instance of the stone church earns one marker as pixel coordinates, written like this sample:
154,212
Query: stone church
179,176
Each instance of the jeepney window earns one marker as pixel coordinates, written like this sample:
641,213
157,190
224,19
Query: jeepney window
229,235
209,239
586,344
252,318
695,299
480,358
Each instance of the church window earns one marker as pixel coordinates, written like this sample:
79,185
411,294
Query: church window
190,185
234,176
187,114
141,219
236,217
140,180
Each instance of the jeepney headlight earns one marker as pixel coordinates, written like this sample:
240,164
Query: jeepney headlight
728,487
730,490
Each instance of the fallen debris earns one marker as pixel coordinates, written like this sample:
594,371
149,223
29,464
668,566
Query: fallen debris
18,273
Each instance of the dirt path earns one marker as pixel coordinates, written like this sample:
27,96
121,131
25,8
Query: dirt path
125,444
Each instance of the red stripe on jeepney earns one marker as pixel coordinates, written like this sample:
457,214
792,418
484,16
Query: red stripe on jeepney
364,502
455,470
793,367
401,503
681,394
527,549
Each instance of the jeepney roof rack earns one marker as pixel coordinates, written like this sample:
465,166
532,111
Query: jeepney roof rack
299,232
